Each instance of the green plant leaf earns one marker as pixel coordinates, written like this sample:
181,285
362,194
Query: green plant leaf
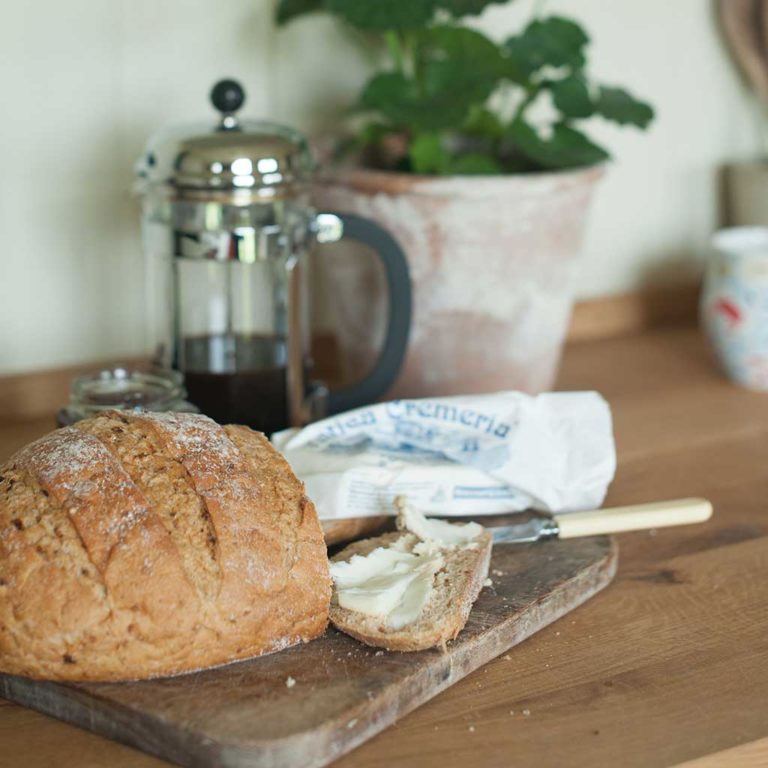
482,122
621,107
427,154
473,164
459,8
384,14
554,42
451,88
468,46
401,102
566,148
571,97
460,66
442,100
290,9
392,94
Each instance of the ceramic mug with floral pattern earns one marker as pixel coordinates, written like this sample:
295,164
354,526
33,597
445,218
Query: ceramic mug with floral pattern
734,304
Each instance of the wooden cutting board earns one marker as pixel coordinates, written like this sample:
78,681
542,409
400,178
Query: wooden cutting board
247,714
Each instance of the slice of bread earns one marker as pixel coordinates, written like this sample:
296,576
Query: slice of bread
455,589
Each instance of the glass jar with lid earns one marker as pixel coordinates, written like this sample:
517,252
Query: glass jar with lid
124,389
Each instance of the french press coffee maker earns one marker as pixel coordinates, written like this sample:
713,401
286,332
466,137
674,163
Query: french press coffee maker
228,228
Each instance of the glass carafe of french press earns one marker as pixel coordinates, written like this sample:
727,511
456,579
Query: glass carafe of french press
228,227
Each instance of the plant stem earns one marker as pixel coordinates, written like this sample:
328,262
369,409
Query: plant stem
395,50
416,58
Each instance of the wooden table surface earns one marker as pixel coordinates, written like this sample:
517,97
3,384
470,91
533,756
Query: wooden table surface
668,666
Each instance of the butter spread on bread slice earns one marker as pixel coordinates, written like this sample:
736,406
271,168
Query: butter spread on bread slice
413,589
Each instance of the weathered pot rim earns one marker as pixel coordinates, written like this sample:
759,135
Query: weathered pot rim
373,181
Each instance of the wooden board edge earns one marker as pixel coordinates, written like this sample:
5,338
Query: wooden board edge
196,752
346,529
448,672
121,724
445,670
752,754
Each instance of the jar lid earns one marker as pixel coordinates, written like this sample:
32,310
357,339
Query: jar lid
231,154
125,389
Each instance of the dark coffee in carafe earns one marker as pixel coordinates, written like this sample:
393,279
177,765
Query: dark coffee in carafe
237,379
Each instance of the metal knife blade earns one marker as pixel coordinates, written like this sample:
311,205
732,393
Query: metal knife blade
532,527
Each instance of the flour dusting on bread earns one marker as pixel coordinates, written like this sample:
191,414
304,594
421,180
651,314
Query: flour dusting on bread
143,545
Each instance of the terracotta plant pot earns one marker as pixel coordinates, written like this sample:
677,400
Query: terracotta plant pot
492,263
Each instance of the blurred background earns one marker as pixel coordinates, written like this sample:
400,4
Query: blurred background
85,82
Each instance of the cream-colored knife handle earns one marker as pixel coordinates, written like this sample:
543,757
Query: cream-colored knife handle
636,517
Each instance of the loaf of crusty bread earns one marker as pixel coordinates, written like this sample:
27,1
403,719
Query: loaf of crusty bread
141,545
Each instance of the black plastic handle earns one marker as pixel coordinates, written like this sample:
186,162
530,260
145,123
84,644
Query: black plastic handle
384,372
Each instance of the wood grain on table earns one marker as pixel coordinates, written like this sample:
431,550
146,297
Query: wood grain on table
668,665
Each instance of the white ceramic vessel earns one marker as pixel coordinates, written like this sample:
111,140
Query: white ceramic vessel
734,304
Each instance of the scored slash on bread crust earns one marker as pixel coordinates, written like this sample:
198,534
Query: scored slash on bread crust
455,590
136,546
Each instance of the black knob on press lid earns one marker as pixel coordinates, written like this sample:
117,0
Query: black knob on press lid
227,96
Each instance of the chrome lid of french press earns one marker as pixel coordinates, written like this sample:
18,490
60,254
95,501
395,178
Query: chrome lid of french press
232,155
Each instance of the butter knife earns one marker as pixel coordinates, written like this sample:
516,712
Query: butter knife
538,526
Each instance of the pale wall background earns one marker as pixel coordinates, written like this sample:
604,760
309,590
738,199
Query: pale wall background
84,82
